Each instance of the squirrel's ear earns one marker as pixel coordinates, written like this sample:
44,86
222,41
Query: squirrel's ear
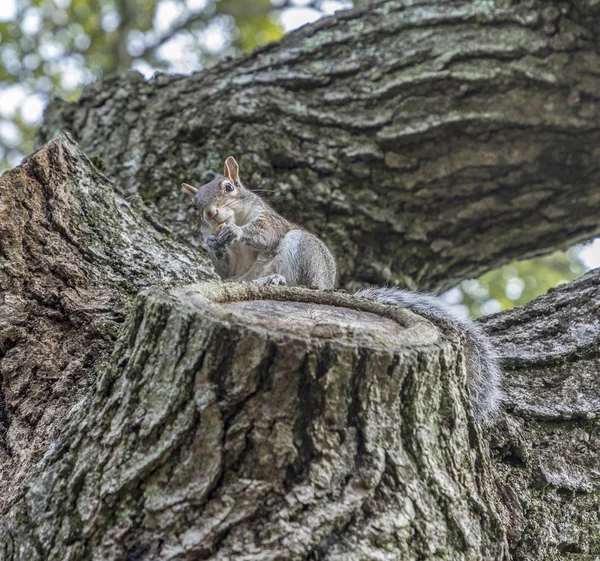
231,169
191,191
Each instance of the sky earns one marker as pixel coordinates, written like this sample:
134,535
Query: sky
8,10
590,254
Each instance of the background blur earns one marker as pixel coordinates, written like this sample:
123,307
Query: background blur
55,47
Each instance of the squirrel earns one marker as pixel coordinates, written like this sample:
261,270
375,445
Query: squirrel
248,241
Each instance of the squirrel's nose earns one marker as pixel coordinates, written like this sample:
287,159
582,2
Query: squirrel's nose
212,211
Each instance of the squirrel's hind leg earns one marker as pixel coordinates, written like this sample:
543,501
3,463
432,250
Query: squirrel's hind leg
302,259
286,260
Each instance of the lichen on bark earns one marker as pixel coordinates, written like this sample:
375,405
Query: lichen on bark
74,255
547,446
214,433
229,417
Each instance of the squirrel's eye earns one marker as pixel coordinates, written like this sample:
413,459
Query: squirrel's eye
228,187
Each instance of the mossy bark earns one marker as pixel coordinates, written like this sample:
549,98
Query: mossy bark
212,421
242,423
547,447
232,421
426,142
73,256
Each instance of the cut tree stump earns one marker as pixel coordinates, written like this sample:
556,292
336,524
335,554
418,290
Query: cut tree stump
271,423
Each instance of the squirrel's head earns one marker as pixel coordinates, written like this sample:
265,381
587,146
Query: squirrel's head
217,200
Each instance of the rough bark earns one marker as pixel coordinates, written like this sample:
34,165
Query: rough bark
73,256
238,422
232,422
548,446
320,432
425,141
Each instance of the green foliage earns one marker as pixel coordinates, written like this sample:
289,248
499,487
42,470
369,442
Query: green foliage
56,47
254,22
518,283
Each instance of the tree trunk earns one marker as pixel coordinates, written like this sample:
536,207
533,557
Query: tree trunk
425,141
74,255
548,445
238,422
213,421
215,433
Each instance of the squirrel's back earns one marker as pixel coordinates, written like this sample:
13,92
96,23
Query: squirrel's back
306,260
483,366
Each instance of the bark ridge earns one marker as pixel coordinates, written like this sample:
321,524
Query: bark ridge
74,254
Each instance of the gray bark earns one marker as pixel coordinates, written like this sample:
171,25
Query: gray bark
238,422
426,141
217,434
73,256
220,422
547,448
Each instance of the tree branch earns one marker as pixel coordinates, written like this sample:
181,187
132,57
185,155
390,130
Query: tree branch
74,256
546,449
184,25
229,416
455,139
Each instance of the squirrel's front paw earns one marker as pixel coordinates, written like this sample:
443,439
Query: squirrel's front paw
229,234
213,242
270,280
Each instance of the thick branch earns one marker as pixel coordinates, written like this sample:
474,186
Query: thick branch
548,445
427,141
229,417
74,255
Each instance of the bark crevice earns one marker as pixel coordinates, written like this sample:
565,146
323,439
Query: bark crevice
74,255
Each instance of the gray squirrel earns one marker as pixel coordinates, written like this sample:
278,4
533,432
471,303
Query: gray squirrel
248,241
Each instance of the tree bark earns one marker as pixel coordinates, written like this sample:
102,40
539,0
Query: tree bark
74,254
425,141
238,422
217,434
548,445
212,421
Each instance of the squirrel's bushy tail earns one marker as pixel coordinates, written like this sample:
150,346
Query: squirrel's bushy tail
483,366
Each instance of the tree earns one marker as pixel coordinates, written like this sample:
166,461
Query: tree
212,433
56,47
353,125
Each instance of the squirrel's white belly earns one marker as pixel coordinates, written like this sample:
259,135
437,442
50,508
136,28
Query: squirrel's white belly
248,264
